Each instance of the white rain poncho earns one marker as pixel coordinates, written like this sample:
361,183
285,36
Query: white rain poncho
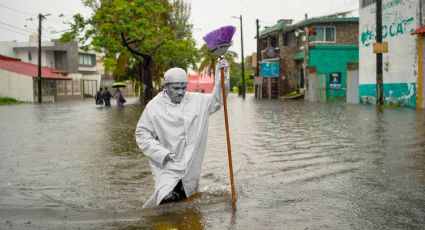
179,129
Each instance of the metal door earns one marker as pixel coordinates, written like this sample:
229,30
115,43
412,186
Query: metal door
321,87
312,87
353,86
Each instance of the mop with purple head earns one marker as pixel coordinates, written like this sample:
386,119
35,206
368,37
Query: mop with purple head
219,40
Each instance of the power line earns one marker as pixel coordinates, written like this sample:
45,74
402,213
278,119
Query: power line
58,21
14,31
16,10
247,8
14,27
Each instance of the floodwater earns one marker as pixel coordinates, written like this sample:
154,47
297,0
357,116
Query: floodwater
298,165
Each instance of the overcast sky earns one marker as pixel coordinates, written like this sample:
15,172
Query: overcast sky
16,15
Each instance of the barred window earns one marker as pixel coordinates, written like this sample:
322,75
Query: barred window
290,39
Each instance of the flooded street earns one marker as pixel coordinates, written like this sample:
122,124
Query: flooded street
298,165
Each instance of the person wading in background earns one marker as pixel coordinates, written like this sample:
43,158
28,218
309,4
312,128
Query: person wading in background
118,95
98,98
107,97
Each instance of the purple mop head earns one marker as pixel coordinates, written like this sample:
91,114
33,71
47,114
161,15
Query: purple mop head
219,37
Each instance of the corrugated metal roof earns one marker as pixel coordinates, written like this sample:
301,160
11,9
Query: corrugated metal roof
323,20
17,66
419,30
282,27
277,27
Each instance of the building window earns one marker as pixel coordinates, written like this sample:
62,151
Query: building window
87,59
290,39
273,41
324,34
365,3
263,44
29,56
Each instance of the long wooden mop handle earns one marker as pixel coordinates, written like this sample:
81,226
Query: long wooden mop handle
229,148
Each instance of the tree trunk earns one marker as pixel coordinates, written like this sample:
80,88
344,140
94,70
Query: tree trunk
145,68
146,78
141,85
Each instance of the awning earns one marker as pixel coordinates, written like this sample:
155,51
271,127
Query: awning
419,30
299,56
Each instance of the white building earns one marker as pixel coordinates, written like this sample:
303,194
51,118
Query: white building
19,80
400,65
81,66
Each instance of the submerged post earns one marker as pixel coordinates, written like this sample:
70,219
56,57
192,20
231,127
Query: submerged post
379,77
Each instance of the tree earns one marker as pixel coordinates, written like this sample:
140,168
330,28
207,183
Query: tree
209,60
141,31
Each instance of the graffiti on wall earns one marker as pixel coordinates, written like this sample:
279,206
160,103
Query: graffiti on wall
407,97
399,19
394,23
404,99
395,28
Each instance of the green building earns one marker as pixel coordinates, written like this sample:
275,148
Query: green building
330,63
327,43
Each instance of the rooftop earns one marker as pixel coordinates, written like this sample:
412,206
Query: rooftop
17,66
281,26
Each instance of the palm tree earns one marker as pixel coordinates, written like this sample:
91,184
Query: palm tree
209,60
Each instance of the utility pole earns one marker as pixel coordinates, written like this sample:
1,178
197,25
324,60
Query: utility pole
257,70
39,92
306,56
379,77
242,62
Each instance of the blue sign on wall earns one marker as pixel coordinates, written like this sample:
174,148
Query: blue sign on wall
335,80
270,69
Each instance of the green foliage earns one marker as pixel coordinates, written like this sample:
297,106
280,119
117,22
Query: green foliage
249,83
121,67
9,101
158,29
209,60
236,78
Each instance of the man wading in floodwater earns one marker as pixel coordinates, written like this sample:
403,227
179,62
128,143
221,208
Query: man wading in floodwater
172,133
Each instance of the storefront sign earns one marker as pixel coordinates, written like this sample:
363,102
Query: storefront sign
270,69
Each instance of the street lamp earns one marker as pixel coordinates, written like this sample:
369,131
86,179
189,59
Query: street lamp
242,59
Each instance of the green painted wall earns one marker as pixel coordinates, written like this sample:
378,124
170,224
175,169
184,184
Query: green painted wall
400,94
333,58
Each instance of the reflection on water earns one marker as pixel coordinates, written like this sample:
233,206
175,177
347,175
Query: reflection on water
187,219
297,164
